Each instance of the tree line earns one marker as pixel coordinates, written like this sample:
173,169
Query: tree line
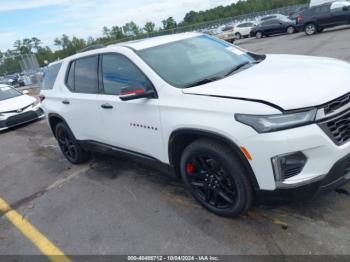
67,46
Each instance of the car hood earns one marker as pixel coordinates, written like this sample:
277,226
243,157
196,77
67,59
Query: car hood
15,103
287,81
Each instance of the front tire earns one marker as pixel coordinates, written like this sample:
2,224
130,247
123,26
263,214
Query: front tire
238,36
216,178
69,145
259,35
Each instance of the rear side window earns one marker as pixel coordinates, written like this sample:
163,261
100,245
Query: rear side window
50,75
86,75
70,76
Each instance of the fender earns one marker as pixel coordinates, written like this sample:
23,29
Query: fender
216,136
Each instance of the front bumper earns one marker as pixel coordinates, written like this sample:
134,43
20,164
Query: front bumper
321,153
19,119
337,176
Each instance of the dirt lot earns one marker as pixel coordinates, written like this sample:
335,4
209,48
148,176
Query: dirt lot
113,206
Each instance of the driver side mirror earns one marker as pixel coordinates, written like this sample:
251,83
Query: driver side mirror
25,92
134,92
345,8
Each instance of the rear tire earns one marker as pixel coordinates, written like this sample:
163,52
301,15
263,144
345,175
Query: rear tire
69,145
290,30
216,178
310,29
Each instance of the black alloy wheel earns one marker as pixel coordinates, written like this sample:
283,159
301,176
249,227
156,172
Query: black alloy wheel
69,146
210,181
216,178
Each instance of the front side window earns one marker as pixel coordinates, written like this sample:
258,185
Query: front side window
119,73
7,92
186,62
50,75
85,76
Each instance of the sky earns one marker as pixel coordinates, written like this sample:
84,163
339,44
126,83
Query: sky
48,19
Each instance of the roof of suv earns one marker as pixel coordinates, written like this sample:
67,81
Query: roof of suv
137,44
156,41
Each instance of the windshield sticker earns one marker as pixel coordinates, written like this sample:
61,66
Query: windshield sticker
235,50
5,88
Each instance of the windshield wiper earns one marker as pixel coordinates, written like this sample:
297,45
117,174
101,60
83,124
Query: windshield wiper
236,68
203,81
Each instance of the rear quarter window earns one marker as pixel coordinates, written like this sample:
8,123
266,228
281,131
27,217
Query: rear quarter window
50,75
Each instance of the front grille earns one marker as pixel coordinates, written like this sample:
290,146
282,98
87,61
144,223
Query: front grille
22,118
338,128
15,111
336,104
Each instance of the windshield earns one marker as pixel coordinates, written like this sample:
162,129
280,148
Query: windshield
189,61
7,92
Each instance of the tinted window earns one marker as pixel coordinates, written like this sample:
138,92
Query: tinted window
322,9
70,77
268,17
270,22
86,80
118,73
50,76
227,29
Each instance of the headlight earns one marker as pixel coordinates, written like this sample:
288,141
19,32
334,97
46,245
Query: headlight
271,123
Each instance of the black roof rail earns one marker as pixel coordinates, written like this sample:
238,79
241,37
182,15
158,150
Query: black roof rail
91,47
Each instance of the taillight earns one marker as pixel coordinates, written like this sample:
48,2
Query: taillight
300,18
41,98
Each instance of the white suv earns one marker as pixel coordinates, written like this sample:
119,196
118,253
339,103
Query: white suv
236,126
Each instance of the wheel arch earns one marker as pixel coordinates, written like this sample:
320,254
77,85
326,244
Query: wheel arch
54,119
181,138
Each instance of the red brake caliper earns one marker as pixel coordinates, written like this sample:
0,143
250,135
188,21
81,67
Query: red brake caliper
190,168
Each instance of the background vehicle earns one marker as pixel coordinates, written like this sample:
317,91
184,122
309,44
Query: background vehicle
227,34
243,29
272,25
17,108
316,19
293,15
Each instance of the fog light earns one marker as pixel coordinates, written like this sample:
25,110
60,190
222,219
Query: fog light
288,165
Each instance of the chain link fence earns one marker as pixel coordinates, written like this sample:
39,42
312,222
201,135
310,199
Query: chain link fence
212,25
20,70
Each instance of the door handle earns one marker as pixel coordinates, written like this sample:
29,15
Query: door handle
107,106
65,102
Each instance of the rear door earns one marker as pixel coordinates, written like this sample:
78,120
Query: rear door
273,26
322,15
80,103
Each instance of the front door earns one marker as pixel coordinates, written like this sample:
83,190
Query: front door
132,125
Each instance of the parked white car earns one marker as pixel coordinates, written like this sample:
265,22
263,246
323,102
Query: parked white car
237,127
242,30
17,108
